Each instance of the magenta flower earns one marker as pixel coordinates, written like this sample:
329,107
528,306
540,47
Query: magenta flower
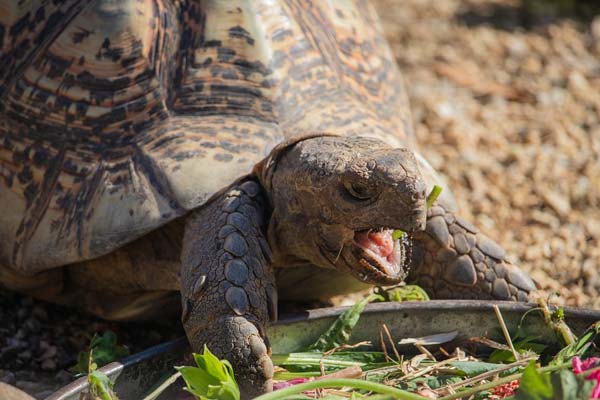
291,382
580,366
295,381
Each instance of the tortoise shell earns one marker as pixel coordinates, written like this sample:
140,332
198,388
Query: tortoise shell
117,116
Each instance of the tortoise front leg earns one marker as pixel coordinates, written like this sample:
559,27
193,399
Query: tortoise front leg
452,259
227,284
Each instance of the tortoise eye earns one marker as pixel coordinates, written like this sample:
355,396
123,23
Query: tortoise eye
358,190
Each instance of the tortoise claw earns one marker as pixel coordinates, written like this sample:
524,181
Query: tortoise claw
239,341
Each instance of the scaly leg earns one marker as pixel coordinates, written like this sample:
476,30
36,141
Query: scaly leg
452,259
227,284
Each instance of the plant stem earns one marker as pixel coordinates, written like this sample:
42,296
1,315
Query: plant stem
426,370
337,383
304,359
560,328
471,391
435,193
489,374
315,359
505,332
286,376
168,382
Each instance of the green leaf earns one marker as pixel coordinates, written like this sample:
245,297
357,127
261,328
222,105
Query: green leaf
397,234
534,386
473,368
484,396
433,382
579,347
212,379
435,193
211,363
105,349
439,381
523,345
101,386
502,356
339,332
401,293
559,314
197,381
568,386
339,383
312,360
365,357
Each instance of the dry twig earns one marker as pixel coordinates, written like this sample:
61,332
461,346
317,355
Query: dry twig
505,332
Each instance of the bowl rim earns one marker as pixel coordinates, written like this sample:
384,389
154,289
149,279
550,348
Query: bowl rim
445,306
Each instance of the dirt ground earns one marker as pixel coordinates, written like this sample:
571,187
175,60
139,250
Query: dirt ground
505,103
39,342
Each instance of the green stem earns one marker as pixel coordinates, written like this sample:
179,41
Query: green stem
168,382
560,327
317,360
337,383
471,391
286,376
435,193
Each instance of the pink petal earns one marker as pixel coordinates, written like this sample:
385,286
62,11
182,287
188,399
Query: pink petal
291,382
594,375
589,363
577,367
596,392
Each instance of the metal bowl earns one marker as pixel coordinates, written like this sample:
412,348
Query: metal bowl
137,375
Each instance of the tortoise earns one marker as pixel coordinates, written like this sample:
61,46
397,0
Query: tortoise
206,157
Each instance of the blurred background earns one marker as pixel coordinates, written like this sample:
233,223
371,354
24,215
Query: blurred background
505,96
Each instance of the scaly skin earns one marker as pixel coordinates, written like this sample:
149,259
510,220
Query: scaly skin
228,287
452,259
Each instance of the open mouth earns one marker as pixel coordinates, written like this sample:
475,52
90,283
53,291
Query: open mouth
379,249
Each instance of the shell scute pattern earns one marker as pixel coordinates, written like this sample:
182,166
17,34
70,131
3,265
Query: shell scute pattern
118,116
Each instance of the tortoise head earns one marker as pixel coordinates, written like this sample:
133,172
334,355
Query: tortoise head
336,202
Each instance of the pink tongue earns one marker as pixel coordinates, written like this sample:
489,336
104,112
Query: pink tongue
380,243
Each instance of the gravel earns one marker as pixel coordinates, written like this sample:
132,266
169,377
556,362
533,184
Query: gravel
505,103
39,342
